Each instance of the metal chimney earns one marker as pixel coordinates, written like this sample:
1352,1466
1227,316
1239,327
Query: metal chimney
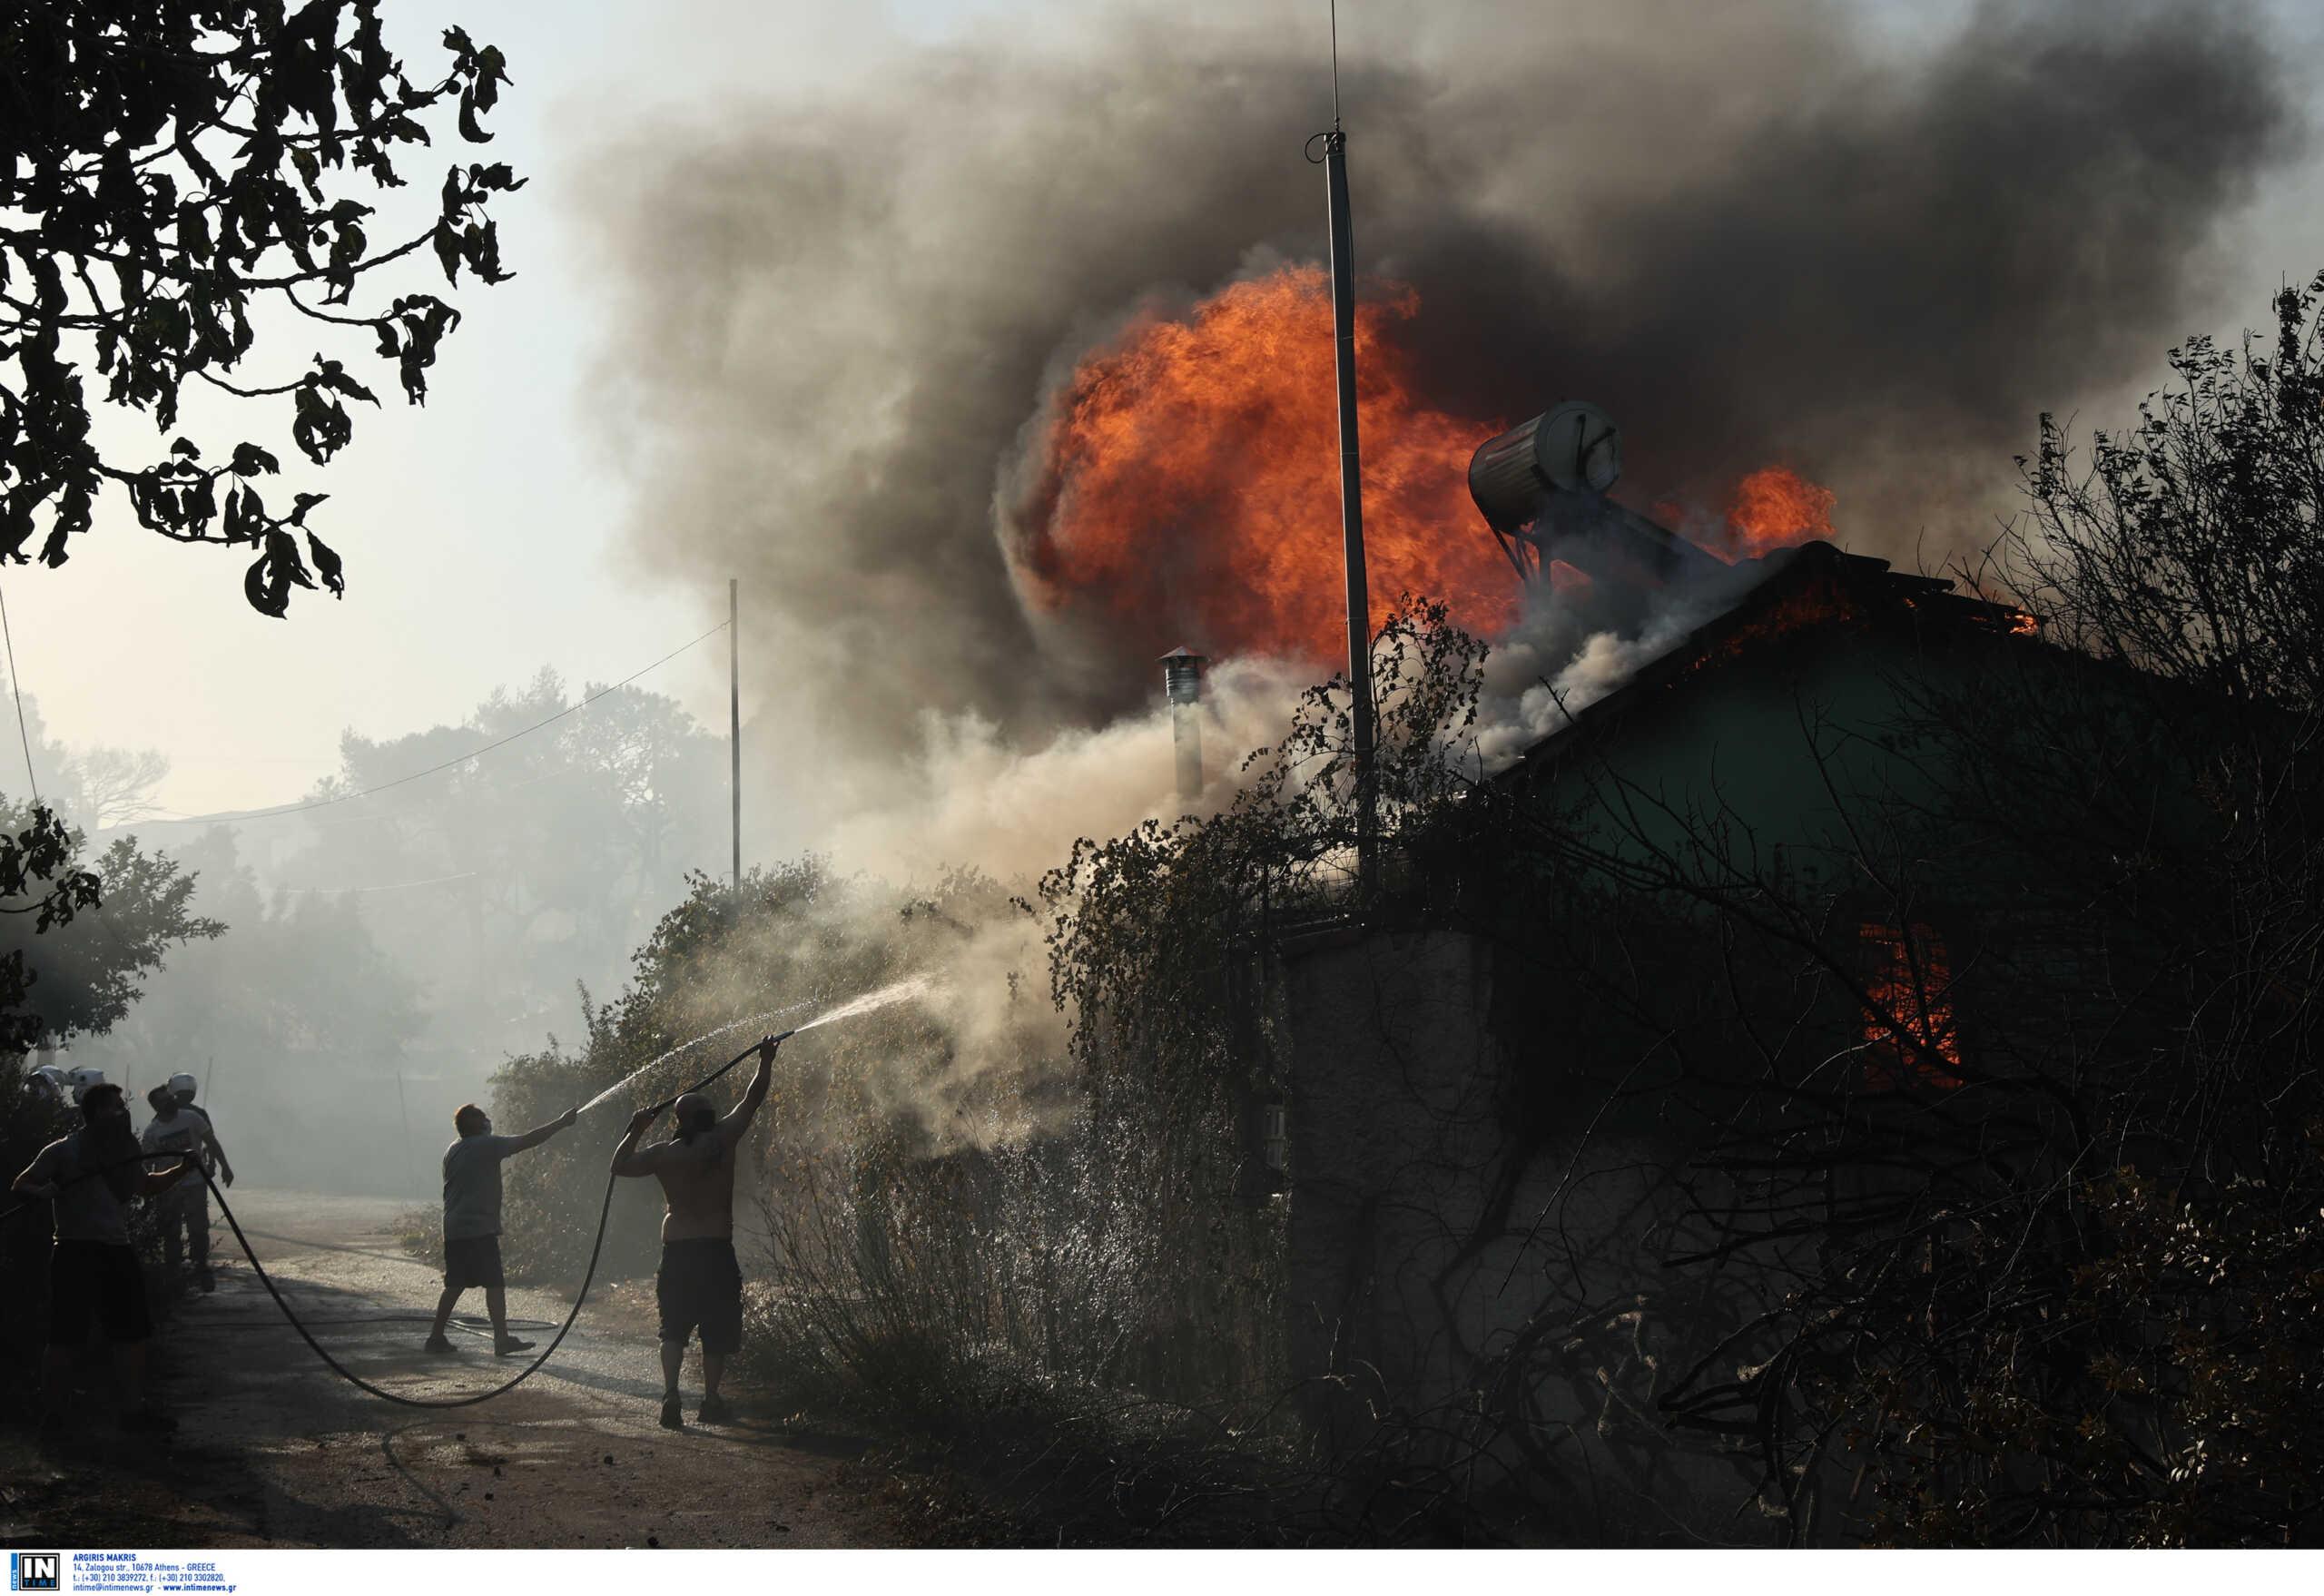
1182,677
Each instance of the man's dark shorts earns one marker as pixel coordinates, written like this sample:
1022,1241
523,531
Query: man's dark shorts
95,1278
701,1283
473,1260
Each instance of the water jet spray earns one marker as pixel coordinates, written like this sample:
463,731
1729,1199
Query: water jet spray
899,992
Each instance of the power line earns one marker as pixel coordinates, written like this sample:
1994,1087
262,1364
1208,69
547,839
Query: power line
434,769
17,687
389,887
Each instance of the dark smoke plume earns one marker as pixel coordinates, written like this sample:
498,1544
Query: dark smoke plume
1752,232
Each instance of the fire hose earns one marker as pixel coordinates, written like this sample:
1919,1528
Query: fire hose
605,1210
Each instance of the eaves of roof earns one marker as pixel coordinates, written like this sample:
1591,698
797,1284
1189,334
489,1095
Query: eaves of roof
1815,589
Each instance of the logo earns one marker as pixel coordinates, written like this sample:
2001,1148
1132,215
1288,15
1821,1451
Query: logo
35,1570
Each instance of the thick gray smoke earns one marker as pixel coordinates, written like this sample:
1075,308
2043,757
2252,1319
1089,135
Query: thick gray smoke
1754,234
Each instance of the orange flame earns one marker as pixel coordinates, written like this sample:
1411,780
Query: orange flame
1909,1029
1190,484
1774,507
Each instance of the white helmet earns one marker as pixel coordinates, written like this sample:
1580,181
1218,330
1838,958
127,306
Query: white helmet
182,1087
83,1079
52,1078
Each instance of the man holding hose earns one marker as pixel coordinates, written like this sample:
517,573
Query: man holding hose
700,1283
472,1221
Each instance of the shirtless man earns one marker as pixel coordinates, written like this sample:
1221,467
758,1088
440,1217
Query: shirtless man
700,1283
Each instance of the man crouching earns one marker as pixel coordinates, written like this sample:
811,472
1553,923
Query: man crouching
700,1283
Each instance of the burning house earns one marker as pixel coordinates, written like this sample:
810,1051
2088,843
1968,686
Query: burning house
1517,1085
1542,1157
1483,1109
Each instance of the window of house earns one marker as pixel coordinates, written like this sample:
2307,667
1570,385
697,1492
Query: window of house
1908,1029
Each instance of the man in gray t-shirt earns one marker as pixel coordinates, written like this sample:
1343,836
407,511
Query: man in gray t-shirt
472,1219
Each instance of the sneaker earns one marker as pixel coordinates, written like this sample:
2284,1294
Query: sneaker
673,1416
715,1411
148,1421
435,1343
207,1282
508,1343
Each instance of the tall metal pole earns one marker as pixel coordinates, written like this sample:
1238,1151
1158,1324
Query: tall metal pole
735,715
1359,609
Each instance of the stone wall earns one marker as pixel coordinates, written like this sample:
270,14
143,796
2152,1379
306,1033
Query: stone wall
1472,1298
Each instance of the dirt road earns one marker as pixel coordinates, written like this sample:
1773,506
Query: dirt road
276,1450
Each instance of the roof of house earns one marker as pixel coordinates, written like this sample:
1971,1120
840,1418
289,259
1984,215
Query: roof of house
1815,589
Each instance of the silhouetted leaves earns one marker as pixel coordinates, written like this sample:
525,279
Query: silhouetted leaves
249,460
55,981
39,854
327,563
268,583
38,877
178,163
409,334
2192,545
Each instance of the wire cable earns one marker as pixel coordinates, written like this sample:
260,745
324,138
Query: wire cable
17,687
143,1157
433,880
605,1210
584,702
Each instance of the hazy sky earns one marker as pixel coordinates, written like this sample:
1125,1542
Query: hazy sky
484,534
480,533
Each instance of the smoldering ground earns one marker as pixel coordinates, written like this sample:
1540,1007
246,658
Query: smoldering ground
1754,234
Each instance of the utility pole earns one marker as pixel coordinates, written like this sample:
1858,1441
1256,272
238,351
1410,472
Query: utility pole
1359,606
734,716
